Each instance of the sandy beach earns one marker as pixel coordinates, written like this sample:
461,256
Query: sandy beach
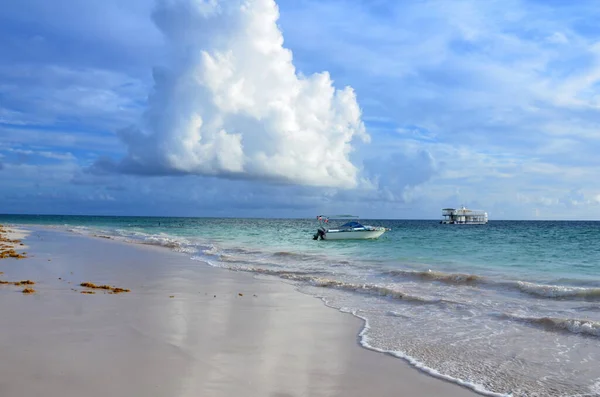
184,329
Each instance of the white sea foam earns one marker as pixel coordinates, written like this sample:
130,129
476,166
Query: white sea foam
396,314
365,342
210,250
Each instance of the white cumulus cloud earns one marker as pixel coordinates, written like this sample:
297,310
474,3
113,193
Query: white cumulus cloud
231,103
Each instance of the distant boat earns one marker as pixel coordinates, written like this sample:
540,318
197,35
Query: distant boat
352,230
464,216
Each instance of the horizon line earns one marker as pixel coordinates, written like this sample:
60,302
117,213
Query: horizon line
291,217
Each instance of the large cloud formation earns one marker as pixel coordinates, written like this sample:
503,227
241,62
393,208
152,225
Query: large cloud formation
231,103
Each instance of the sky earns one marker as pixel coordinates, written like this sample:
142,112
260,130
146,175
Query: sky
294,108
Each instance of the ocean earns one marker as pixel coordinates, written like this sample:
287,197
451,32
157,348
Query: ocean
507,308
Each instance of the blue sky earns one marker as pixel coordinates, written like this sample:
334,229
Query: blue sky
172,107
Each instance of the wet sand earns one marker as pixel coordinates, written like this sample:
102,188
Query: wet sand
184,329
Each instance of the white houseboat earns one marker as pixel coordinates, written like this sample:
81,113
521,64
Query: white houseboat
464,216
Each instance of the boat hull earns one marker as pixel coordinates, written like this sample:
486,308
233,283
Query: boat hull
354,235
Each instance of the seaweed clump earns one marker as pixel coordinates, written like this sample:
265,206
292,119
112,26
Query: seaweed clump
24,282
18,283
28,291
7,247
112,290
11,253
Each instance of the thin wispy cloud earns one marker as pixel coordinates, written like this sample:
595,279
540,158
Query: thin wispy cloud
42,153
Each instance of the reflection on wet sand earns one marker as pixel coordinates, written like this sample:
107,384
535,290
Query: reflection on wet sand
185,329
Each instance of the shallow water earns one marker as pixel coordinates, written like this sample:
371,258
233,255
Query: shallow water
511,307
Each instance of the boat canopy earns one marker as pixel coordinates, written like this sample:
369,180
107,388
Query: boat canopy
352,224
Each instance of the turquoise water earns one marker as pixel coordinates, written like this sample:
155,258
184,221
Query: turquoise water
511,307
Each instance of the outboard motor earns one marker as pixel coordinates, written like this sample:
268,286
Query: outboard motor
320,233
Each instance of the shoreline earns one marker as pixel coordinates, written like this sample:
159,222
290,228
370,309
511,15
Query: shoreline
337,333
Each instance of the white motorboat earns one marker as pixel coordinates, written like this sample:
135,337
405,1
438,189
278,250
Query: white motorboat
352,230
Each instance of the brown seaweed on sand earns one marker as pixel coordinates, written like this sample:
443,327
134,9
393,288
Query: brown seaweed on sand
7,247
24,282
28,291
113,290
18,283
11,253
88,292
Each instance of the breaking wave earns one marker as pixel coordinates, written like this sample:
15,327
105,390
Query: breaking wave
171,243
318,279
558,291
166,244
295,255
538,290
576,326
448,278
369,289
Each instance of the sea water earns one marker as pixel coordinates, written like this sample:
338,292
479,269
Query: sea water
507,308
